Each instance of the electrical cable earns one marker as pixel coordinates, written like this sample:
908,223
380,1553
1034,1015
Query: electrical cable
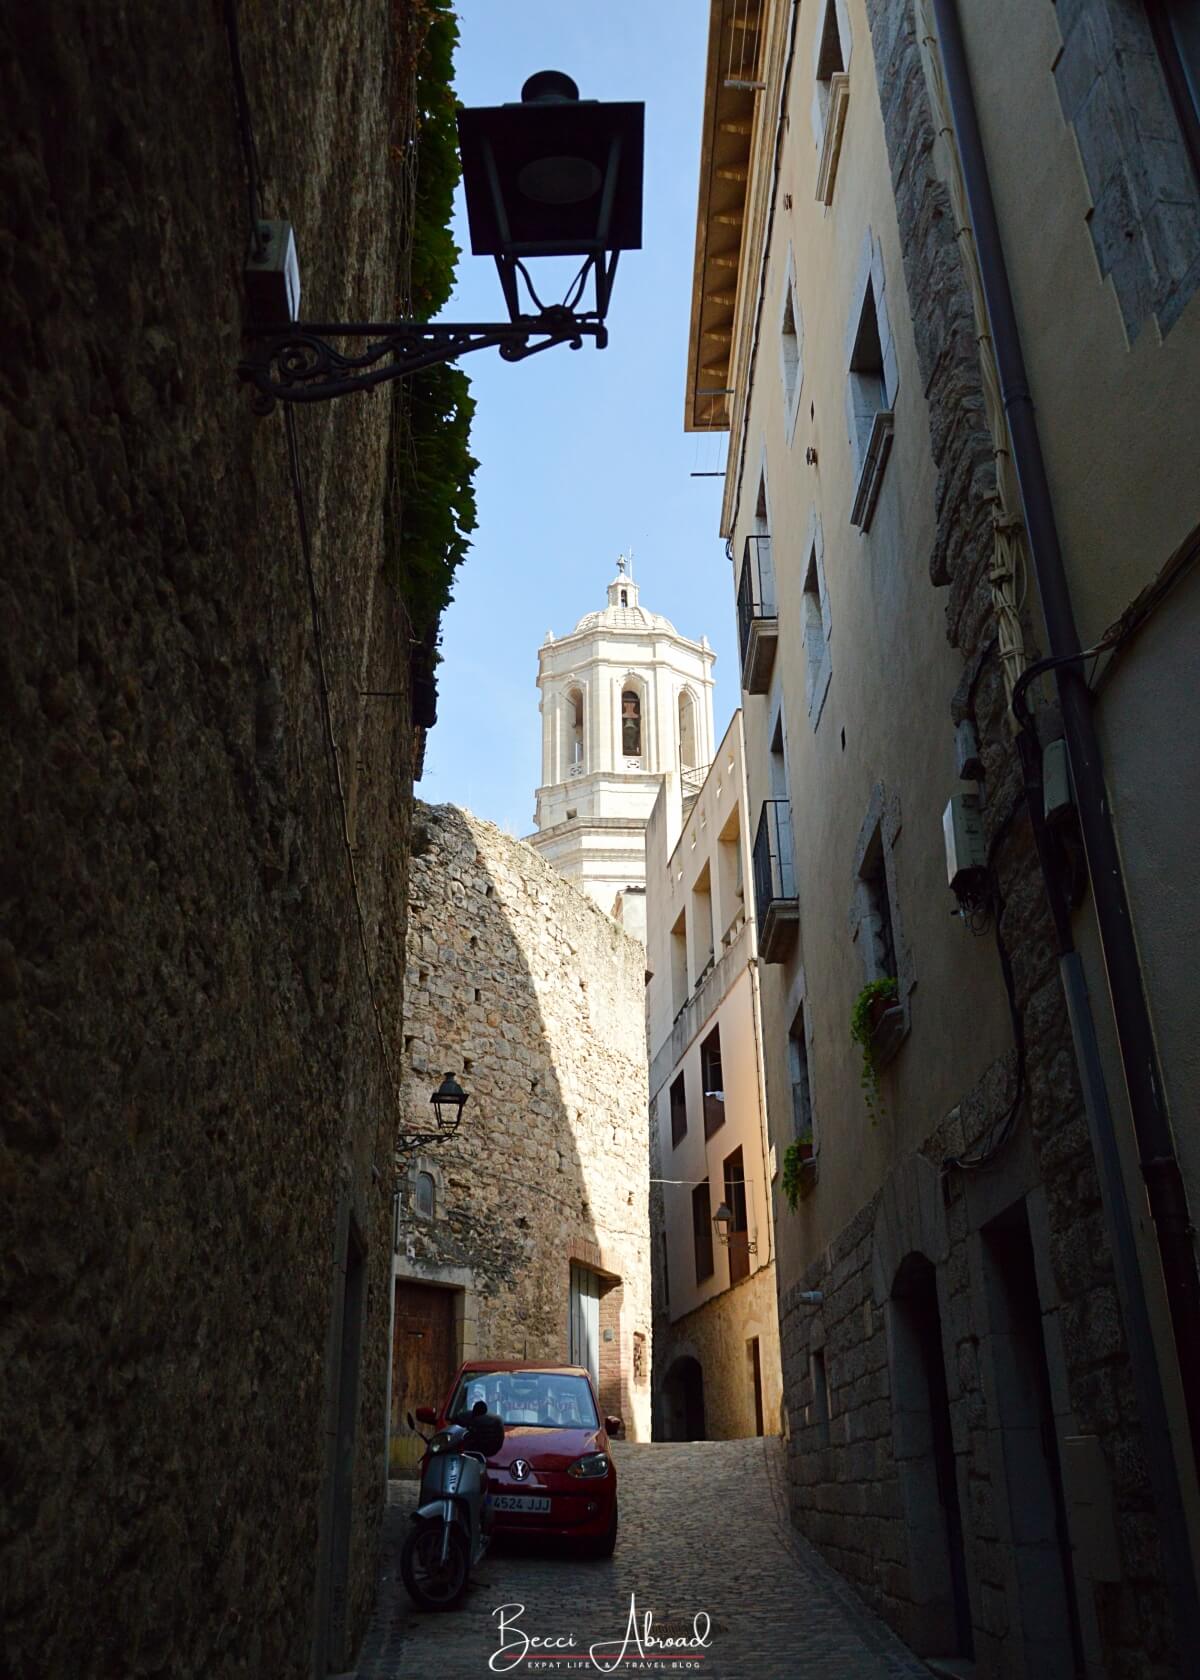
334,758
254,192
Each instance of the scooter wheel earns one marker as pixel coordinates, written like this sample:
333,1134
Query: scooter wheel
432,1584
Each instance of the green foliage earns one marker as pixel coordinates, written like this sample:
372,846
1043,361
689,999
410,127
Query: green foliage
438,168
438,509
861,1033
795,1157
437,477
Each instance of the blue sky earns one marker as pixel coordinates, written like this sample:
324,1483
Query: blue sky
582,453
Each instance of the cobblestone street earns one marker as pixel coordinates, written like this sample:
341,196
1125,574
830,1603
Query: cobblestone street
703,1529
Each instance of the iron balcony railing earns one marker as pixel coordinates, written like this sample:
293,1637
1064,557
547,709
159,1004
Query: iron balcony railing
774,858
756,589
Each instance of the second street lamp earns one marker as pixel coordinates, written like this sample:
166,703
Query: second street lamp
552,176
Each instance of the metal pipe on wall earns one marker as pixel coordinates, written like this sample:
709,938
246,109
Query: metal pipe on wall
1131,1016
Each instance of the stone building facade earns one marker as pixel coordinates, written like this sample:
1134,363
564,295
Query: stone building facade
972,1442
625,700
716,1325
197,1120
526,1237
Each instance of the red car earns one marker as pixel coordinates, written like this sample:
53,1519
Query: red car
554,1474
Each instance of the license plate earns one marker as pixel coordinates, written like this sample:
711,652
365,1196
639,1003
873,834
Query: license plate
519,1502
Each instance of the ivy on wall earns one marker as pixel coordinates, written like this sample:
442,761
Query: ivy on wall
437,469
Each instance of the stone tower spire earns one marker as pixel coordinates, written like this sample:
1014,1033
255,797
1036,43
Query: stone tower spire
625,701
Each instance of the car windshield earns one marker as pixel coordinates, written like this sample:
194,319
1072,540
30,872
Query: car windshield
541,1398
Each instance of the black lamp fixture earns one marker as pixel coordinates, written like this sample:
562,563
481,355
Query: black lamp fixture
552,176
448,1101
723,1220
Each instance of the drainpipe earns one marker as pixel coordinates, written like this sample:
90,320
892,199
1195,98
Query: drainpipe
1131,1015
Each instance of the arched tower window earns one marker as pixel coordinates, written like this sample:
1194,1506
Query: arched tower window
423,1195
631,723
575,738
687,731
624,597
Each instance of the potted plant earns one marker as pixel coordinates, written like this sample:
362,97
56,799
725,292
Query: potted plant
799,1165
870,1007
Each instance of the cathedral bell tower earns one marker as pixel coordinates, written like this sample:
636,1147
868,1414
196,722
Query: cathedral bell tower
626,700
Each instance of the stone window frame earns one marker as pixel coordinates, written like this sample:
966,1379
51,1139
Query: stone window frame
687,691
831,95
869,427
1144,218
636,681
818,672
571,684
881,823
791,366
799,1004
424,1164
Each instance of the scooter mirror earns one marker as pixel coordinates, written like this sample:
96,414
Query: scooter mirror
412,1422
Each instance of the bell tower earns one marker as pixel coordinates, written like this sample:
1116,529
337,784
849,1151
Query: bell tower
625,701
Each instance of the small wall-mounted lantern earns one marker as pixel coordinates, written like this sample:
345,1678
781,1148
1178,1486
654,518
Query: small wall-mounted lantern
448,1102
723,1220
551,176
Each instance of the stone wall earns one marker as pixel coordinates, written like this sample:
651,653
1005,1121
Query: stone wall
717,1336
533,997
855,1461
194,1098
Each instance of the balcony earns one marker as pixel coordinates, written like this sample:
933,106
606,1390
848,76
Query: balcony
775,902
758,623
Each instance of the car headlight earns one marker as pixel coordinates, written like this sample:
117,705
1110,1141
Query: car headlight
595,1464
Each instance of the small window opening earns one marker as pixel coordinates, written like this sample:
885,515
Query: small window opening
830,58
679,965
575,750
867,387
678,1112
713,1081
881,950
624,597
702,1231
802,1112
821,1407
687,731
814,623
789,350
739,1231
423,1195
631,723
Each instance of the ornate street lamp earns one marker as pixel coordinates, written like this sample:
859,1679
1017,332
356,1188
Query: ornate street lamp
448,1101
552,176
723,1220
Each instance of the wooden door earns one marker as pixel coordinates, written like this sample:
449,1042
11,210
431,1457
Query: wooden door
424,1358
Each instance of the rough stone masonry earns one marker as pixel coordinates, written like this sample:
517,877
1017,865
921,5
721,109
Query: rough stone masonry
193,1094
523,987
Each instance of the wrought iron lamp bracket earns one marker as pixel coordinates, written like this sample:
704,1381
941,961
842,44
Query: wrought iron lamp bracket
297,363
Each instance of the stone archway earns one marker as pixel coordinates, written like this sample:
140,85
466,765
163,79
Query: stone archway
683,1400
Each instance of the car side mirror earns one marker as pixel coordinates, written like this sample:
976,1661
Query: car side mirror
614,1425
425,1414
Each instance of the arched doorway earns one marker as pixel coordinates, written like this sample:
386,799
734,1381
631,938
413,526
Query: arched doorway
683,1400
924,1451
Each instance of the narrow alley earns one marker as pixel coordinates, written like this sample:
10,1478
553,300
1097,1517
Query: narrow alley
704,1533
